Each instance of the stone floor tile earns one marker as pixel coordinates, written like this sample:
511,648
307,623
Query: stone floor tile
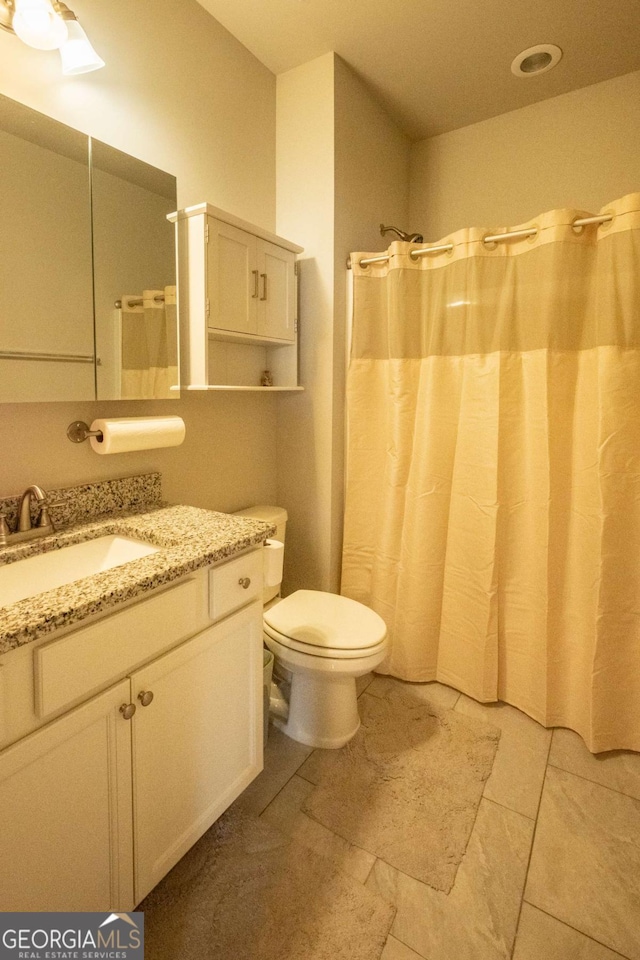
246,891
285,807
477,920
437,694
363,682
585,865
618,769
285,814
282,757
518,770
541,937
394,950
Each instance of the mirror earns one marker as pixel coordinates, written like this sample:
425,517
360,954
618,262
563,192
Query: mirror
87,273
46,297
134,266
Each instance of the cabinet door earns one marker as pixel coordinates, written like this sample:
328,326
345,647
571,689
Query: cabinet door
276,312
65,797
232,278
198,744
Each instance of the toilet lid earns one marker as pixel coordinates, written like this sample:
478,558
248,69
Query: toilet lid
326,620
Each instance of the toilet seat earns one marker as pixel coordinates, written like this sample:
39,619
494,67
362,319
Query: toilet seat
326,625
322,653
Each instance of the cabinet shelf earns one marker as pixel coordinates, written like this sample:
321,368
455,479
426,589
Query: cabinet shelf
229,336
228,386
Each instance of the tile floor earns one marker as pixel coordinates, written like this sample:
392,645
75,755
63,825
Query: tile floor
552,869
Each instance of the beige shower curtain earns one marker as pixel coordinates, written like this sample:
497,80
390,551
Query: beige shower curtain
493,477
150,345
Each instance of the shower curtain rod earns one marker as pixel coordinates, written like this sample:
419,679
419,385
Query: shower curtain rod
138,302
494,238
52,357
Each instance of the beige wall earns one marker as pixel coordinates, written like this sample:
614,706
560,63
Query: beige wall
227,461
371,167
181,93
305,214
342,168
580,150
371,187
178,91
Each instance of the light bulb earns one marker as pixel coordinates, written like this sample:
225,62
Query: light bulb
37,24
76,53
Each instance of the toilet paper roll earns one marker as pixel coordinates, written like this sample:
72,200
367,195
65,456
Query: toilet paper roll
137,433
273,562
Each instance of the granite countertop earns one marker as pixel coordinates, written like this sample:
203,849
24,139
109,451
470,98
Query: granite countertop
189,538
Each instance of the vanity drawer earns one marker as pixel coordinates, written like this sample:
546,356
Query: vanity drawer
89,658
234,584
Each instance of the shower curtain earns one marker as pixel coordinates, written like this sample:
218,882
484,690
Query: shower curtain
149,345
492,510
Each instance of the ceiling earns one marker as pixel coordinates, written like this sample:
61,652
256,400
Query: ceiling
437,65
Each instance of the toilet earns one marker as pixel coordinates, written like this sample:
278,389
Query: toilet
325,642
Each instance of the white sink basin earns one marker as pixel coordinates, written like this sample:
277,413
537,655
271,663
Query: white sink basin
46,571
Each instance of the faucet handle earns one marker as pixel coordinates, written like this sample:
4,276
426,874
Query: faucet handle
4,529
44,520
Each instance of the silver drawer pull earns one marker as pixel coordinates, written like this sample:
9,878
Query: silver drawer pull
145,697
245,582
127,710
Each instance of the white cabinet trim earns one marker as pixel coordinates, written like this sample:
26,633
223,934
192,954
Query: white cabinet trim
207,208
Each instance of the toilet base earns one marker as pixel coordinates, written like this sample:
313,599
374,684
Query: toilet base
323,710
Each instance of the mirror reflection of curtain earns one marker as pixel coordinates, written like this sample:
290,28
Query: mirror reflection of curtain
149,345
493,482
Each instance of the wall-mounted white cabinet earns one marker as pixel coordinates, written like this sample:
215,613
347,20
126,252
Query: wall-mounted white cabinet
238,303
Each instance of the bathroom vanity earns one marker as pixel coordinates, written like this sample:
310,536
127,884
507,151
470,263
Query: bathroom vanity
130,710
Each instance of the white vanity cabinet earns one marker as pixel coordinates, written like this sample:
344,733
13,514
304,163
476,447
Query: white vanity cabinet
238,302
100,802
196,745
65,802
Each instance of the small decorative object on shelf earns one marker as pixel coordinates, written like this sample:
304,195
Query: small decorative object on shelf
266,380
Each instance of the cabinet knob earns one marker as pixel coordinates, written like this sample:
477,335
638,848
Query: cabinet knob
244,582
254,295
264,286
127,710
145,697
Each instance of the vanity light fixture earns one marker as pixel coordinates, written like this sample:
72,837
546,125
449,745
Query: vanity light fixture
51,25
38,25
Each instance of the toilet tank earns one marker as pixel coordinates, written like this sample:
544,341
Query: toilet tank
276,516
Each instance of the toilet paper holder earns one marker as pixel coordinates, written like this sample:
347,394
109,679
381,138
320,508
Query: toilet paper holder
126,434
79,431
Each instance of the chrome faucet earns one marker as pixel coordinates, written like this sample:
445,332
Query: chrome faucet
24,530
24,508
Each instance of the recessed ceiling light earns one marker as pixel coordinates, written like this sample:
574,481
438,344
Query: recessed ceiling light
535,60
